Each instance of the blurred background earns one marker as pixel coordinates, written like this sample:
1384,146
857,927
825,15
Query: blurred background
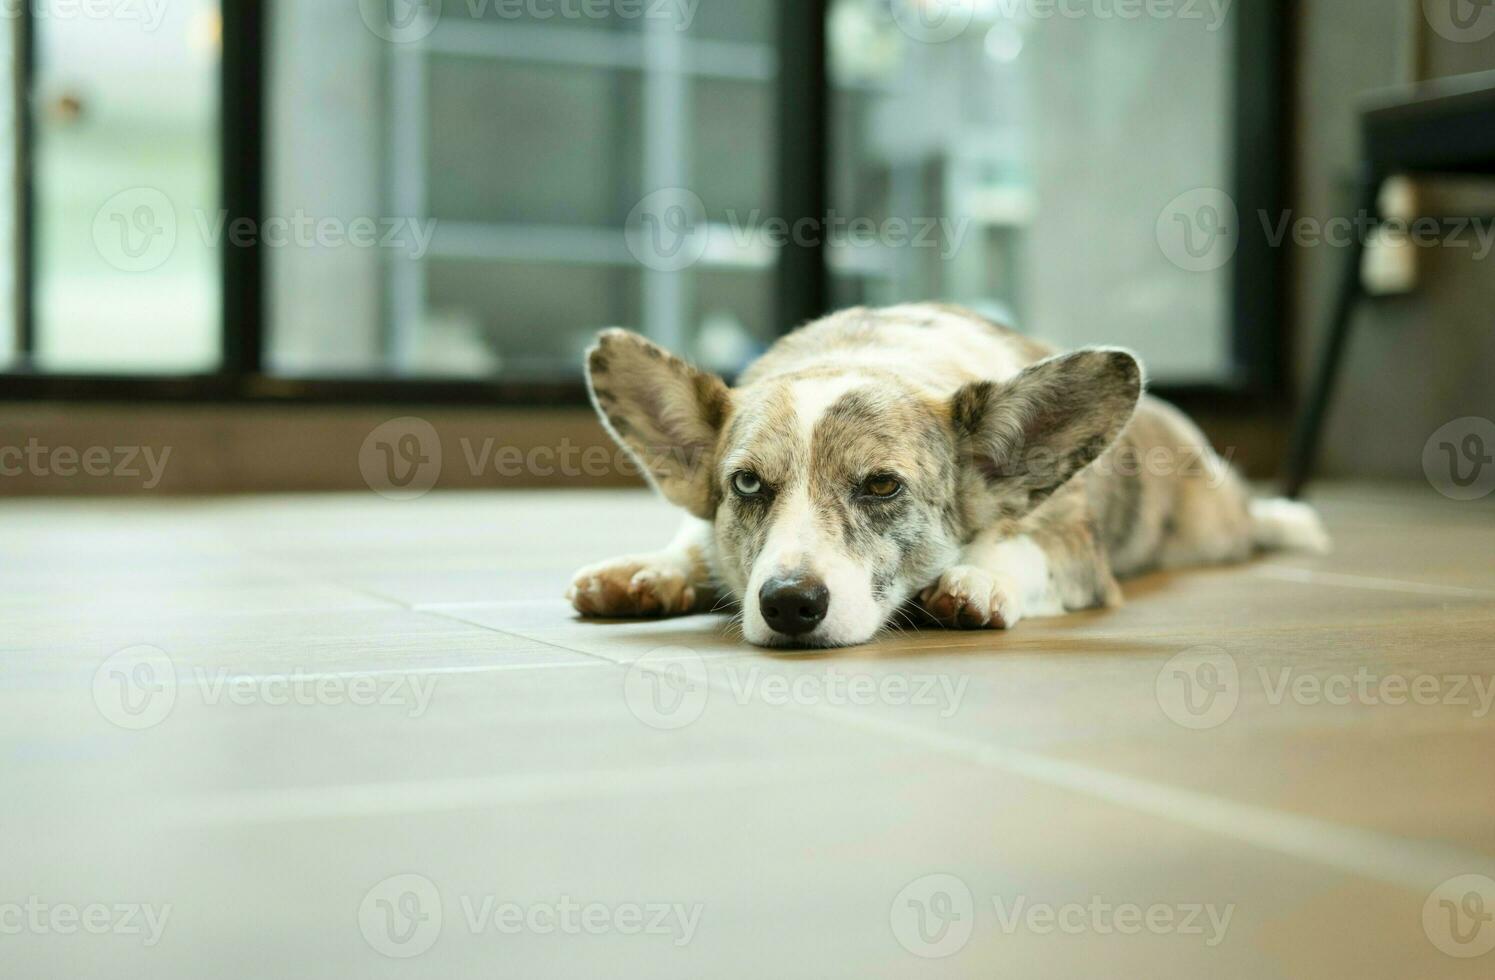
249,228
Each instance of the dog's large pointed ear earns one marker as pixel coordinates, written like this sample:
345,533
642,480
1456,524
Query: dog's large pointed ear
666,413
1024,439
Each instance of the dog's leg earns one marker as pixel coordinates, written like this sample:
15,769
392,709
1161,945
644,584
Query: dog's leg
1002,577
670,582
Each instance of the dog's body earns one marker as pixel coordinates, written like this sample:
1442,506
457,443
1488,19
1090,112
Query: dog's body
877,456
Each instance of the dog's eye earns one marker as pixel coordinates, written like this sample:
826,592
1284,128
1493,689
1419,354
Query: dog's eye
748,484
881,487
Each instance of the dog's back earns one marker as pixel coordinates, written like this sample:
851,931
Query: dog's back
916,452
1160,498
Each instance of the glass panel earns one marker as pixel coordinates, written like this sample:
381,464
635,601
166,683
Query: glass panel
10,244
517,144
1038,153
126,187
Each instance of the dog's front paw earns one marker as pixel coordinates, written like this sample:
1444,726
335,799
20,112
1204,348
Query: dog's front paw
641,585
967,597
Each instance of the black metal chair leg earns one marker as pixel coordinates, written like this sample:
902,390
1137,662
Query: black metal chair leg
1304,452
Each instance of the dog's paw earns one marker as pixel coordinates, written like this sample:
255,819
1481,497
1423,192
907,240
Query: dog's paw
640,585
967,597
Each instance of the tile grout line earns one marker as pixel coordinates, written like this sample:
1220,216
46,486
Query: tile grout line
518,636
1286,573
1405,862
1420,865
412,607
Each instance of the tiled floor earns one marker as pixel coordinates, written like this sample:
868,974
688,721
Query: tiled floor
345,737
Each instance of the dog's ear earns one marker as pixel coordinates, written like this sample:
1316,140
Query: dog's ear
1024,439
666,413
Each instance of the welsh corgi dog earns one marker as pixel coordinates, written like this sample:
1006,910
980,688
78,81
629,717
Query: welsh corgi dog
914,454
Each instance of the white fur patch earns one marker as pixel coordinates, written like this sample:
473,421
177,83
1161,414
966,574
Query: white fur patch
796,544
1288,525
814,397
1020,568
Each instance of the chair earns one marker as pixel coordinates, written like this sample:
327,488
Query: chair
1439,128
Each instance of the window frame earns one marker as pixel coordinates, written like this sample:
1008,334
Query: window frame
1262,61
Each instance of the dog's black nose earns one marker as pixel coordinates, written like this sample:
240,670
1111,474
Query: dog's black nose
794,605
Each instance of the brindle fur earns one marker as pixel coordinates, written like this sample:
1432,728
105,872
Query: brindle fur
991,433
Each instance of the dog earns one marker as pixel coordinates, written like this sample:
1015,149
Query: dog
916,454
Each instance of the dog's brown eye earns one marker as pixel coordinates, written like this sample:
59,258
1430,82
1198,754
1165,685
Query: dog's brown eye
881,487
747,484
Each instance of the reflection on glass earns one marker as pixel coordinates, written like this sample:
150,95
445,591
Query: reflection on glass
524,146
126,183
1019,164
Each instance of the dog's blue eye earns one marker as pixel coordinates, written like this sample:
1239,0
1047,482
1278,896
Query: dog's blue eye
747,484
